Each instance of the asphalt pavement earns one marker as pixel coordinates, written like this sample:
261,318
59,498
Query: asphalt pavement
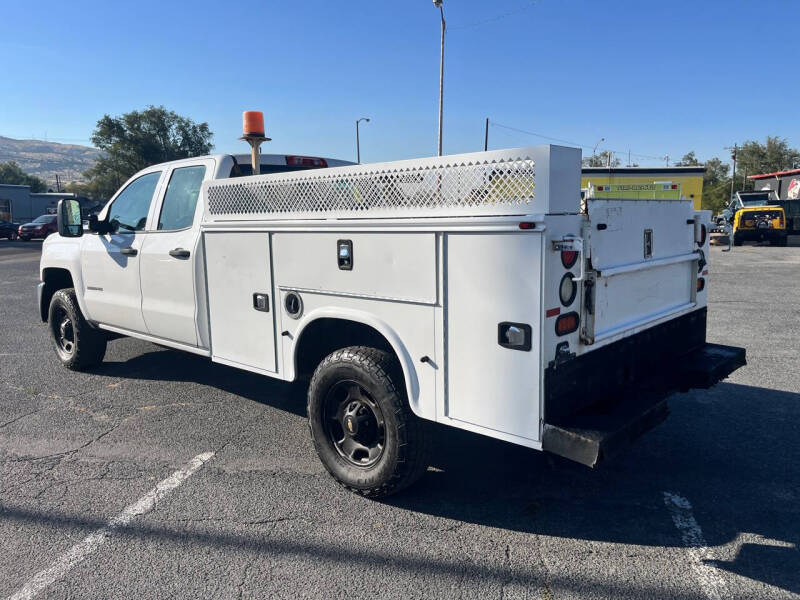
160,474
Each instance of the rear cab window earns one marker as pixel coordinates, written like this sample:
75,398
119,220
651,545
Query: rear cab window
180,199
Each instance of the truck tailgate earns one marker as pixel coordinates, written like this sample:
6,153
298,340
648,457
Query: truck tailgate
644,264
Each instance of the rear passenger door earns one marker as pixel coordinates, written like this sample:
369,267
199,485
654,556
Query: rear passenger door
170,254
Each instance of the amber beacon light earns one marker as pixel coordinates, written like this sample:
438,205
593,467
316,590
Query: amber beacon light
253,133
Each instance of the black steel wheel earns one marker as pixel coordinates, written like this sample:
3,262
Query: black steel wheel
63,332
78,345
361,424
354,424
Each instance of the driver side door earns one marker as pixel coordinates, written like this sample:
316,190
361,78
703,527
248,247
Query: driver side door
110,262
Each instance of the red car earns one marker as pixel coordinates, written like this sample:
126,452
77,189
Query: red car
40,227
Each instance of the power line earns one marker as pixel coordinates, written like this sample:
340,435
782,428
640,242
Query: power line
497,17
554,139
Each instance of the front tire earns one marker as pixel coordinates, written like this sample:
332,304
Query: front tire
361,424
737,241
78,345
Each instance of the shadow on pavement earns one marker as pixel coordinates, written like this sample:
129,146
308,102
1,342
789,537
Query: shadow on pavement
340,552
728,450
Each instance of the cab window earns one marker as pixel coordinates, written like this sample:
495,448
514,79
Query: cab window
177,209
128,213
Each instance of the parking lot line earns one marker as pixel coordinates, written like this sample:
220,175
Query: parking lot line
681,511
91,543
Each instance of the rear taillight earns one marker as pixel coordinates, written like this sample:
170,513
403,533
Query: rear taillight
567,323
305,161
568,258
701,284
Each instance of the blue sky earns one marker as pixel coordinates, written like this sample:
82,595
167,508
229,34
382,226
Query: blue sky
653,77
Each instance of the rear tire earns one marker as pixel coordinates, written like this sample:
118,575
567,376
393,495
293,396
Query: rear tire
78,345
781,241
737,241
362,390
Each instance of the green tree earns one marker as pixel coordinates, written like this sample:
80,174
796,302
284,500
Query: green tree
137,140
716,185
12,173
754,157
688,160
716,182
603,159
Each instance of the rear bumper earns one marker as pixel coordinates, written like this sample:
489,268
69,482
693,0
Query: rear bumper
753,235
629,385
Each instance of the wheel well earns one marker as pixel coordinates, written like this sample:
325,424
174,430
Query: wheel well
323,336
54,280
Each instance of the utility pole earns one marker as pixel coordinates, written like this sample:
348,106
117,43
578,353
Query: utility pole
734,151
666,158
629,157
486,136
58,184
438,3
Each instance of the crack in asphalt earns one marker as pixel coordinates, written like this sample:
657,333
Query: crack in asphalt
33,412
72,451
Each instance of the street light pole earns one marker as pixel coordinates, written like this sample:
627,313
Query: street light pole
358,142
438,3
594,150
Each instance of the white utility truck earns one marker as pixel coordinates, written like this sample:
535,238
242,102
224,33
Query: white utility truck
469,290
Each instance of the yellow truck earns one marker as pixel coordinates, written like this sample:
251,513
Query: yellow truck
760,223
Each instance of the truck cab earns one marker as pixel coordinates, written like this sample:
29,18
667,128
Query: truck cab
139,265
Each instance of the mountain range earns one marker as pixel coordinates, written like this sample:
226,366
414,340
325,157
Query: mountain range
48,159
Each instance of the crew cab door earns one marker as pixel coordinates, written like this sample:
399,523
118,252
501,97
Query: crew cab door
110,262
170,255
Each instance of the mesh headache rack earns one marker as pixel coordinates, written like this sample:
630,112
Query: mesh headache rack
501,182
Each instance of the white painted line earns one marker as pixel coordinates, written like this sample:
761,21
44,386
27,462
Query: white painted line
709,579
91,543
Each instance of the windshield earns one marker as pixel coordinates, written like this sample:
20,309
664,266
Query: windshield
755,199
752,215
44,219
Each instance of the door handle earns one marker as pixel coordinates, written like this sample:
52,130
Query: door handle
129,251
179,253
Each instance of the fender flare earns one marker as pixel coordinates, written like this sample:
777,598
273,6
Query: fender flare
57,254
379,325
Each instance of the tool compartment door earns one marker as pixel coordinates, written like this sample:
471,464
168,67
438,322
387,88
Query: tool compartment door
644,255
493,278
239,265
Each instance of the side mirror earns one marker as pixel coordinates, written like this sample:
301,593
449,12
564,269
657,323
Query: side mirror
69,218
98,226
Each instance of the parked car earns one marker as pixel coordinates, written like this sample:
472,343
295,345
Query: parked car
40,227
8,230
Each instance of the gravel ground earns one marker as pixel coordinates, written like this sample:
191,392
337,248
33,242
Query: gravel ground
707,505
